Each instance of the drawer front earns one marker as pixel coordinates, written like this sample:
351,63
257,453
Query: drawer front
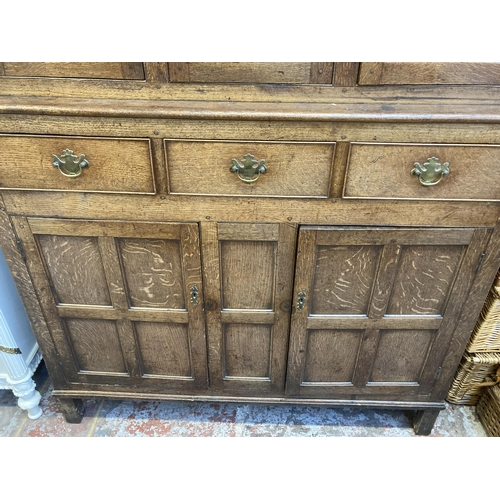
293,169
384,171
114,165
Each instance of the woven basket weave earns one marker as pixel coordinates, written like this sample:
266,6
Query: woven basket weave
488,410
486,334
473,370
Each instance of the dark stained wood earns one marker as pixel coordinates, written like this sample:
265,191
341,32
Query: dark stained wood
421,73
113,70
424,421
73,409
346,74
391,164
293,169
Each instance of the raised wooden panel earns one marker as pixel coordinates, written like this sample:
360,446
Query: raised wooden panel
252,72
331,355
96,345
76,270
294,169
115,165
424,279
383,171
107,70
401,355
164,348
247,350
343,279
153,272
248,274
425,73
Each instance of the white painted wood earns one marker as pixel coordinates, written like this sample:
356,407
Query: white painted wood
16,370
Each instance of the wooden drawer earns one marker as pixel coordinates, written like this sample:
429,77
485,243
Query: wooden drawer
102,70
294,169
252,72
115,165
421,73
383,171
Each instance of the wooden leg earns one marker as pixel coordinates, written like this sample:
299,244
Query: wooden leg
424,420
73,410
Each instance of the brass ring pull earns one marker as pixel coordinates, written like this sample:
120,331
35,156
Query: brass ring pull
70,165
432,172
248,169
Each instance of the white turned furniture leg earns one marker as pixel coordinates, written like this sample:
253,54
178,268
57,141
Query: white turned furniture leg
29,397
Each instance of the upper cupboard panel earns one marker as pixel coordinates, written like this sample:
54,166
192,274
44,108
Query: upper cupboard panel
252,72
100,70
422,73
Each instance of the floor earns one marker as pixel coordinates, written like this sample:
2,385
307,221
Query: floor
105,418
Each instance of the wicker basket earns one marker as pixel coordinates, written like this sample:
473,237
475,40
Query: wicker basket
486,334
473,370
488,410
496,283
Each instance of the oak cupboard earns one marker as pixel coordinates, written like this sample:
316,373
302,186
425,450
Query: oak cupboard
306,233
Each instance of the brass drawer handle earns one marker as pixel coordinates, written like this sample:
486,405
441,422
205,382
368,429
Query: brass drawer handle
248,169
432,172
70,165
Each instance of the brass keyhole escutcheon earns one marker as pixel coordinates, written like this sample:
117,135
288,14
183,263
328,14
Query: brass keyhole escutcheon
301,302
194,295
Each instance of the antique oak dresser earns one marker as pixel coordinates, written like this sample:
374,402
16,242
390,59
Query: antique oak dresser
306,233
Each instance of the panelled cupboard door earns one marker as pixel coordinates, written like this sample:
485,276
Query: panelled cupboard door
248,272
375,309
123,300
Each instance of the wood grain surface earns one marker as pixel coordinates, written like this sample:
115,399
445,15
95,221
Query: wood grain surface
293,169
383,171
115,164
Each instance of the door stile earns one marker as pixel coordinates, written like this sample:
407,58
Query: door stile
465,277
304,274
191,270
42,287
